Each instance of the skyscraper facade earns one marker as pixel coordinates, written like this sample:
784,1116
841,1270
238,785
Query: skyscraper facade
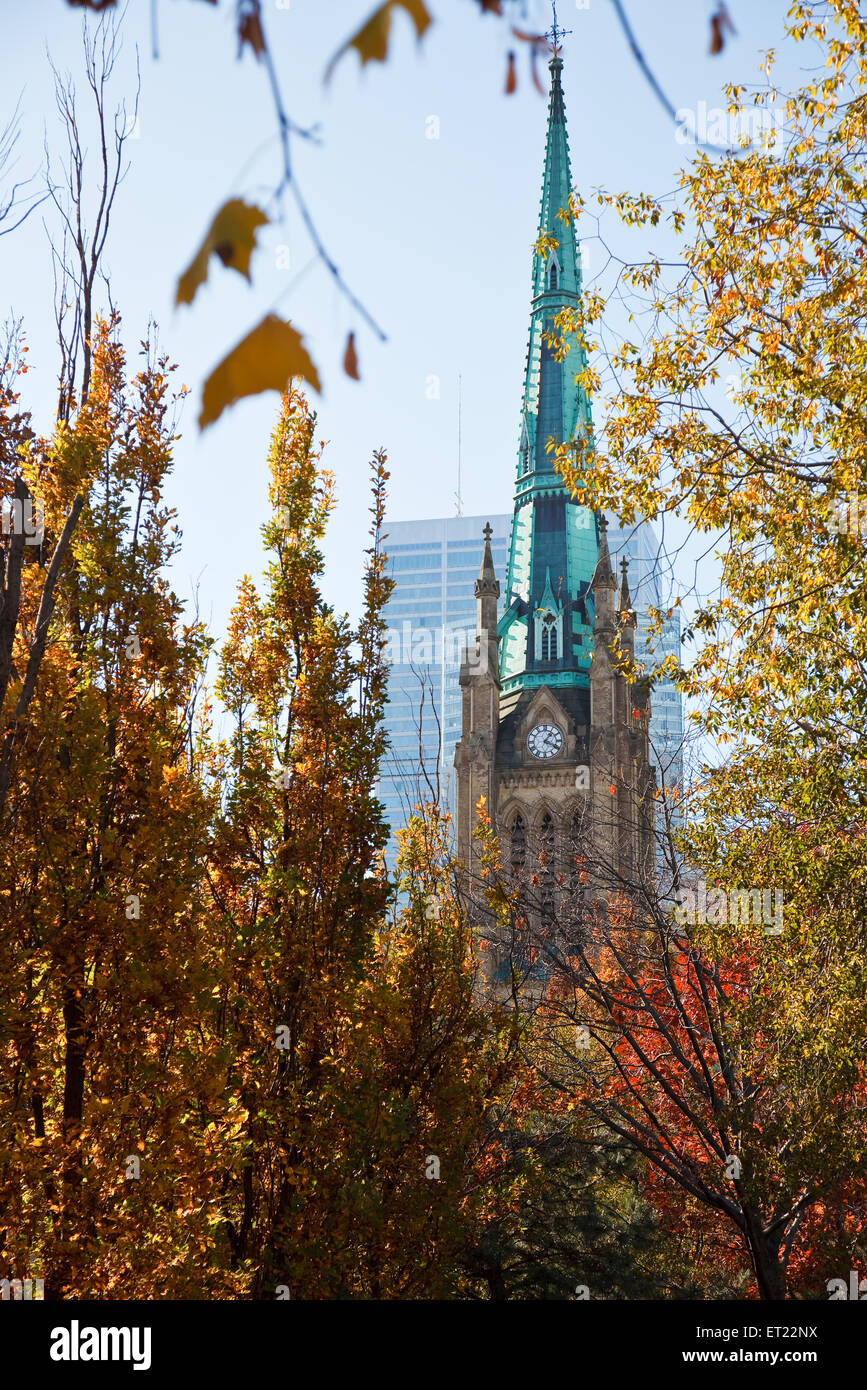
430,618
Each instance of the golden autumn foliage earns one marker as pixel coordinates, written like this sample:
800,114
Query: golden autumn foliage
101,944
740,412
233,1063
363,1063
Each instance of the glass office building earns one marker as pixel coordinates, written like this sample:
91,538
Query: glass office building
430,617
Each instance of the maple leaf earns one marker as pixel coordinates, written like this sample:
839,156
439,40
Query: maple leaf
265,360
371,40
232,237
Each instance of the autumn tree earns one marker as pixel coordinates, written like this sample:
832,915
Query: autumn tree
104,1178
102,812
361,1056
78,256
564,1215
770,305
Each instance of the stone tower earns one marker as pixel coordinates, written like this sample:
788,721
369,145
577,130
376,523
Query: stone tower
554,737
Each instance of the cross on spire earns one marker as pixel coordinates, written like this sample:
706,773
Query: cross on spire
487,530
555,33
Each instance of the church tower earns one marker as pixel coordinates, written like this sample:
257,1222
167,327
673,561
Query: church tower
554,737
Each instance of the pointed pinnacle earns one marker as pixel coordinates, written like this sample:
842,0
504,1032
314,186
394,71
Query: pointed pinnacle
603,577
624,602
487,582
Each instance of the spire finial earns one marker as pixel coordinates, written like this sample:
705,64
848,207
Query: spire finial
487,530
555,33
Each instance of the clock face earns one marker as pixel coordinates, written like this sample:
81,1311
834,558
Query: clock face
545,741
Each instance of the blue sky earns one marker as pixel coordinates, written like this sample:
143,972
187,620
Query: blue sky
434,236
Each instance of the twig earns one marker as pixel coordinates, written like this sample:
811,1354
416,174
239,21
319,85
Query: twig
286,128
654,85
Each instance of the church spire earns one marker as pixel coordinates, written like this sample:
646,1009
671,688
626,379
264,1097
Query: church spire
552,404
552,700
556,193
553,539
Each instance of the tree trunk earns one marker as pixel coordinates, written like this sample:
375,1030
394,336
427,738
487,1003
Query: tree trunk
768,1264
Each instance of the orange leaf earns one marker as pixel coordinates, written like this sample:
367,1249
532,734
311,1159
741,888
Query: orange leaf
719,22
350,359
250,31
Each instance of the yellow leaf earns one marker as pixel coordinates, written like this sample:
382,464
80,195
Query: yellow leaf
371,41
263,361
232,237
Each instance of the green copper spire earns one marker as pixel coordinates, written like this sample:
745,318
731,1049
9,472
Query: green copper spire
546,630
552,404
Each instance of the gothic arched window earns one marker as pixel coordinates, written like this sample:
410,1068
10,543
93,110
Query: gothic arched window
553,276
547,867
546,839
577,850
518,846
